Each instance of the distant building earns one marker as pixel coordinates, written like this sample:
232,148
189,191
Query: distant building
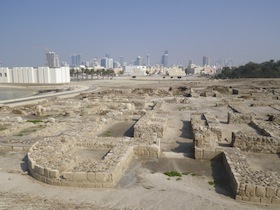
138,61
175,71
190,62
75,60
164,59
107,63
121,60
41,75
52,60
148,60
205,61
135,70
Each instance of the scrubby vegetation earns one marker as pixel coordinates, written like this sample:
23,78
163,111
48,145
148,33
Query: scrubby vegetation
268,69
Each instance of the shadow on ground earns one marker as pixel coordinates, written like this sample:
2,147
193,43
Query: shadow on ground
186,130
221,179
23,164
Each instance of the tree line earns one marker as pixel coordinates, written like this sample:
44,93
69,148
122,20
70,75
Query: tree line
268,69
85,73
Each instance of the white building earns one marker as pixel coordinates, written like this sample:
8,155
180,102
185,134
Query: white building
41,75
135,70
176,71
52,60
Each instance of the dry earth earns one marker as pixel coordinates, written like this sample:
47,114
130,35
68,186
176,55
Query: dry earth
143,186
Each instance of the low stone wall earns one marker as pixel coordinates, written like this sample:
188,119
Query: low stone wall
54,161
7,147
214,125
91,179
266,128
205,140
152,151
249,185
237,118
255,143
149,126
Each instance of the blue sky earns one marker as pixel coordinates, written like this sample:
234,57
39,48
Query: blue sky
243,30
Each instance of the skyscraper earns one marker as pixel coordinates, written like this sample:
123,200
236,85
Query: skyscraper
205,61
164,59
107,63
52,59
148,60
138,62
121,60
75,60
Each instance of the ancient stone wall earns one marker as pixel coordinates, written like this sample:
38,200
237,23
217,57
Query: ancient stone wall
250,185
205,139
255,143
237,118
149,126
53,162
214,125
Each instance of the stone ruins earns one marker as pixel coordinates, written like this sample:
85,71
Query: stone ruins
89,140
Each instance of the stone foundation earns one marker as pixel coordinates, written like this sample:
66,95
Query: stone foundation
249,185
255,143
206,134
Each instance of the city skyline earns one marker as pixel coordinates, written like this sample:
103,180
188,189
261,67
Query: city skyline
242,31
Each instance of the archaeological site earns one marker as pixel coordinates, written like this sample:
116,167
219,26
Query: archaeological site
145,144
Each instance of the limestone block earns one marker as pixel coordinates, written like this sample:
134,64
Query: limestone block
275,201
65,183
260,191
81,184
39,170
80,176
266,200
90,185
17,148
238,197
91,176
278,193
99,177
255,199
68,176
98,185
56,182
108,185
270,192
46,172
208,154
53,174
198,153
49,181
42,178
245,198
250,190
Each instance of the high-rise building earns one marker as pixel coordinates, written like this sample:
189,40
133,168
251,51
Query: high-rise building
75,60
52,59
205,61
107,63
148,60
190,62
121,60
138,61
164,59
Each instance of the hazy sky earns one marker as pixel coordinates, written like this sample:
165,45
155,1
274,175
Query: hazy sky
243,30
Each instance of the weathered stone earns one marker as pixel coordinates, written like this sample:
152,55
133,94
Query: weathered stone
260,191
270,192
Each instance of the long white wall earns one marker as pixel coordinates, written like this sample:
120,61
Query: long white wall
42,75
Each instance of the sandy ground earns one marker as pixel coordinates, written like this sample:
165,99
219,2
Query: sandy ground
143,186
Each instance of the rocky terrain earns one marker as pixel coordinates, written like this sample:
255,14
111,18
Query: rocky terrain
182,126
